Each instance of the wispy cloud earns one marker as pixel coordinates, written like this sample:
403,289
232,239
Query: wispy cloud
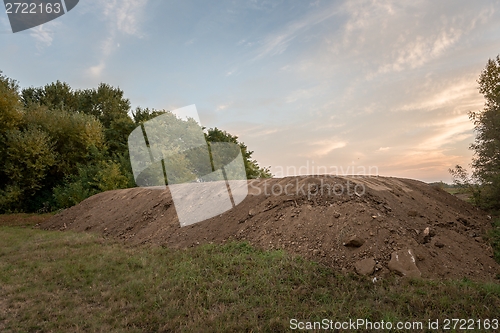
323,147
124,15
44,34
96,71
421,50
447,132
223,106
401,36
458,94
277,42
123,18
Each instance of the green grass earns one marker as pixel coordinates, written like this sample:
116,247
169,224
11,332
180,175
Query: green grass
78,282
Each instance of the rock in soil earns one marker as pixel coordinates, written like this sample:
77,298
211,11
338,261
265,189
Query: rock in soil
403,262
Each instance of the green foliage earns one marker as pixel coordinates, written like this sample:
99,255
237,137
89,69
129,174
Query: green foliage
173,128
59,146
252,168
73,135
10,105
57,95
29,155
141,115
486,161
91,179
10,116
106,104
484,183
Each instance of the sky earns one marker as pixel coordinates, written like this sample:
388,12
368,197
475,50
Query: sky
345,87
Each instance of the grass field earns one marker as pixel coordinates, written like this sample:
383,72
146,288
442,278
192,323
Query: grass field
78,282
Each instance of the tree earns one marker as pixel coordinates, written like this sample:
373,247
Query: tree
10,104
98,175
252,168
10,117
30,155
106,103
174,125
486,162
56,95
59,146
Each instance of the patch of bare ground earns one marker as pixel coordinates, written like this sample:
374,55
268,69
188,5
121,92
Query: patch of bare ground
372,225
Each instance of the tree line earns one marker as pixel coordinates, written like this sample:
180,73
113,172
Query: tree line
59,146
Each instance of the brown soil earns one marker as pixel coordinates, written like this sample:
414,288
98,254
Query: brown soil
311,220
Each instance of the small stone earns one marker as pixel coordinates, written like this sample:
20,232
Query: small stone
355,241
365,266
336,215
426,235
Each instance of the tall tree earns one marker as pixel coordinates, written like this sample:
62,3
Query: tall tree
108,104
56,95
486,161
10,106
10,117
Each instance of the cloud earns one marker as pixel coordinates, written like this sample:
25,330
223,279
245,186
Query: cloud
421,50
393,36
123,19
324,147
124,15
447,132
222,107
44,34
303,94
96,71
277,42
457,93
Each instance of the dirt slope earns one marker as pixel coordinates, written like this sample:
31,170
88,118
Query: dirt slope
316,217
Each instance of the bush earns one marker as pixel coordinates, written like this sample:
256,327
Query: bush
91,179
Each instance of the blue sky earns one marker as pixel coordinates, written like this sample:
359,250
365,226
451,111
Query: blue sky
341,85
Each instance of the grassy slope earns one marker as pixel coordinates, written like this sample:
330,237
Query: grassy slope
77,282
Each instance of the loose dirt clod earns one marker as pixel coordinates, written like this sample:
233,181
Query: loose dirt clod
313,217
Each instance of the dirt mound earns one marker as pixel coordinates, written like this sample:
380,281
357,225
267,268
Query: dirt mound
369,224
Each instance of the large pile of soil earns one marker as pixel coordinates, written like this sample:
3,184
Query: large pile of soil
364,224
